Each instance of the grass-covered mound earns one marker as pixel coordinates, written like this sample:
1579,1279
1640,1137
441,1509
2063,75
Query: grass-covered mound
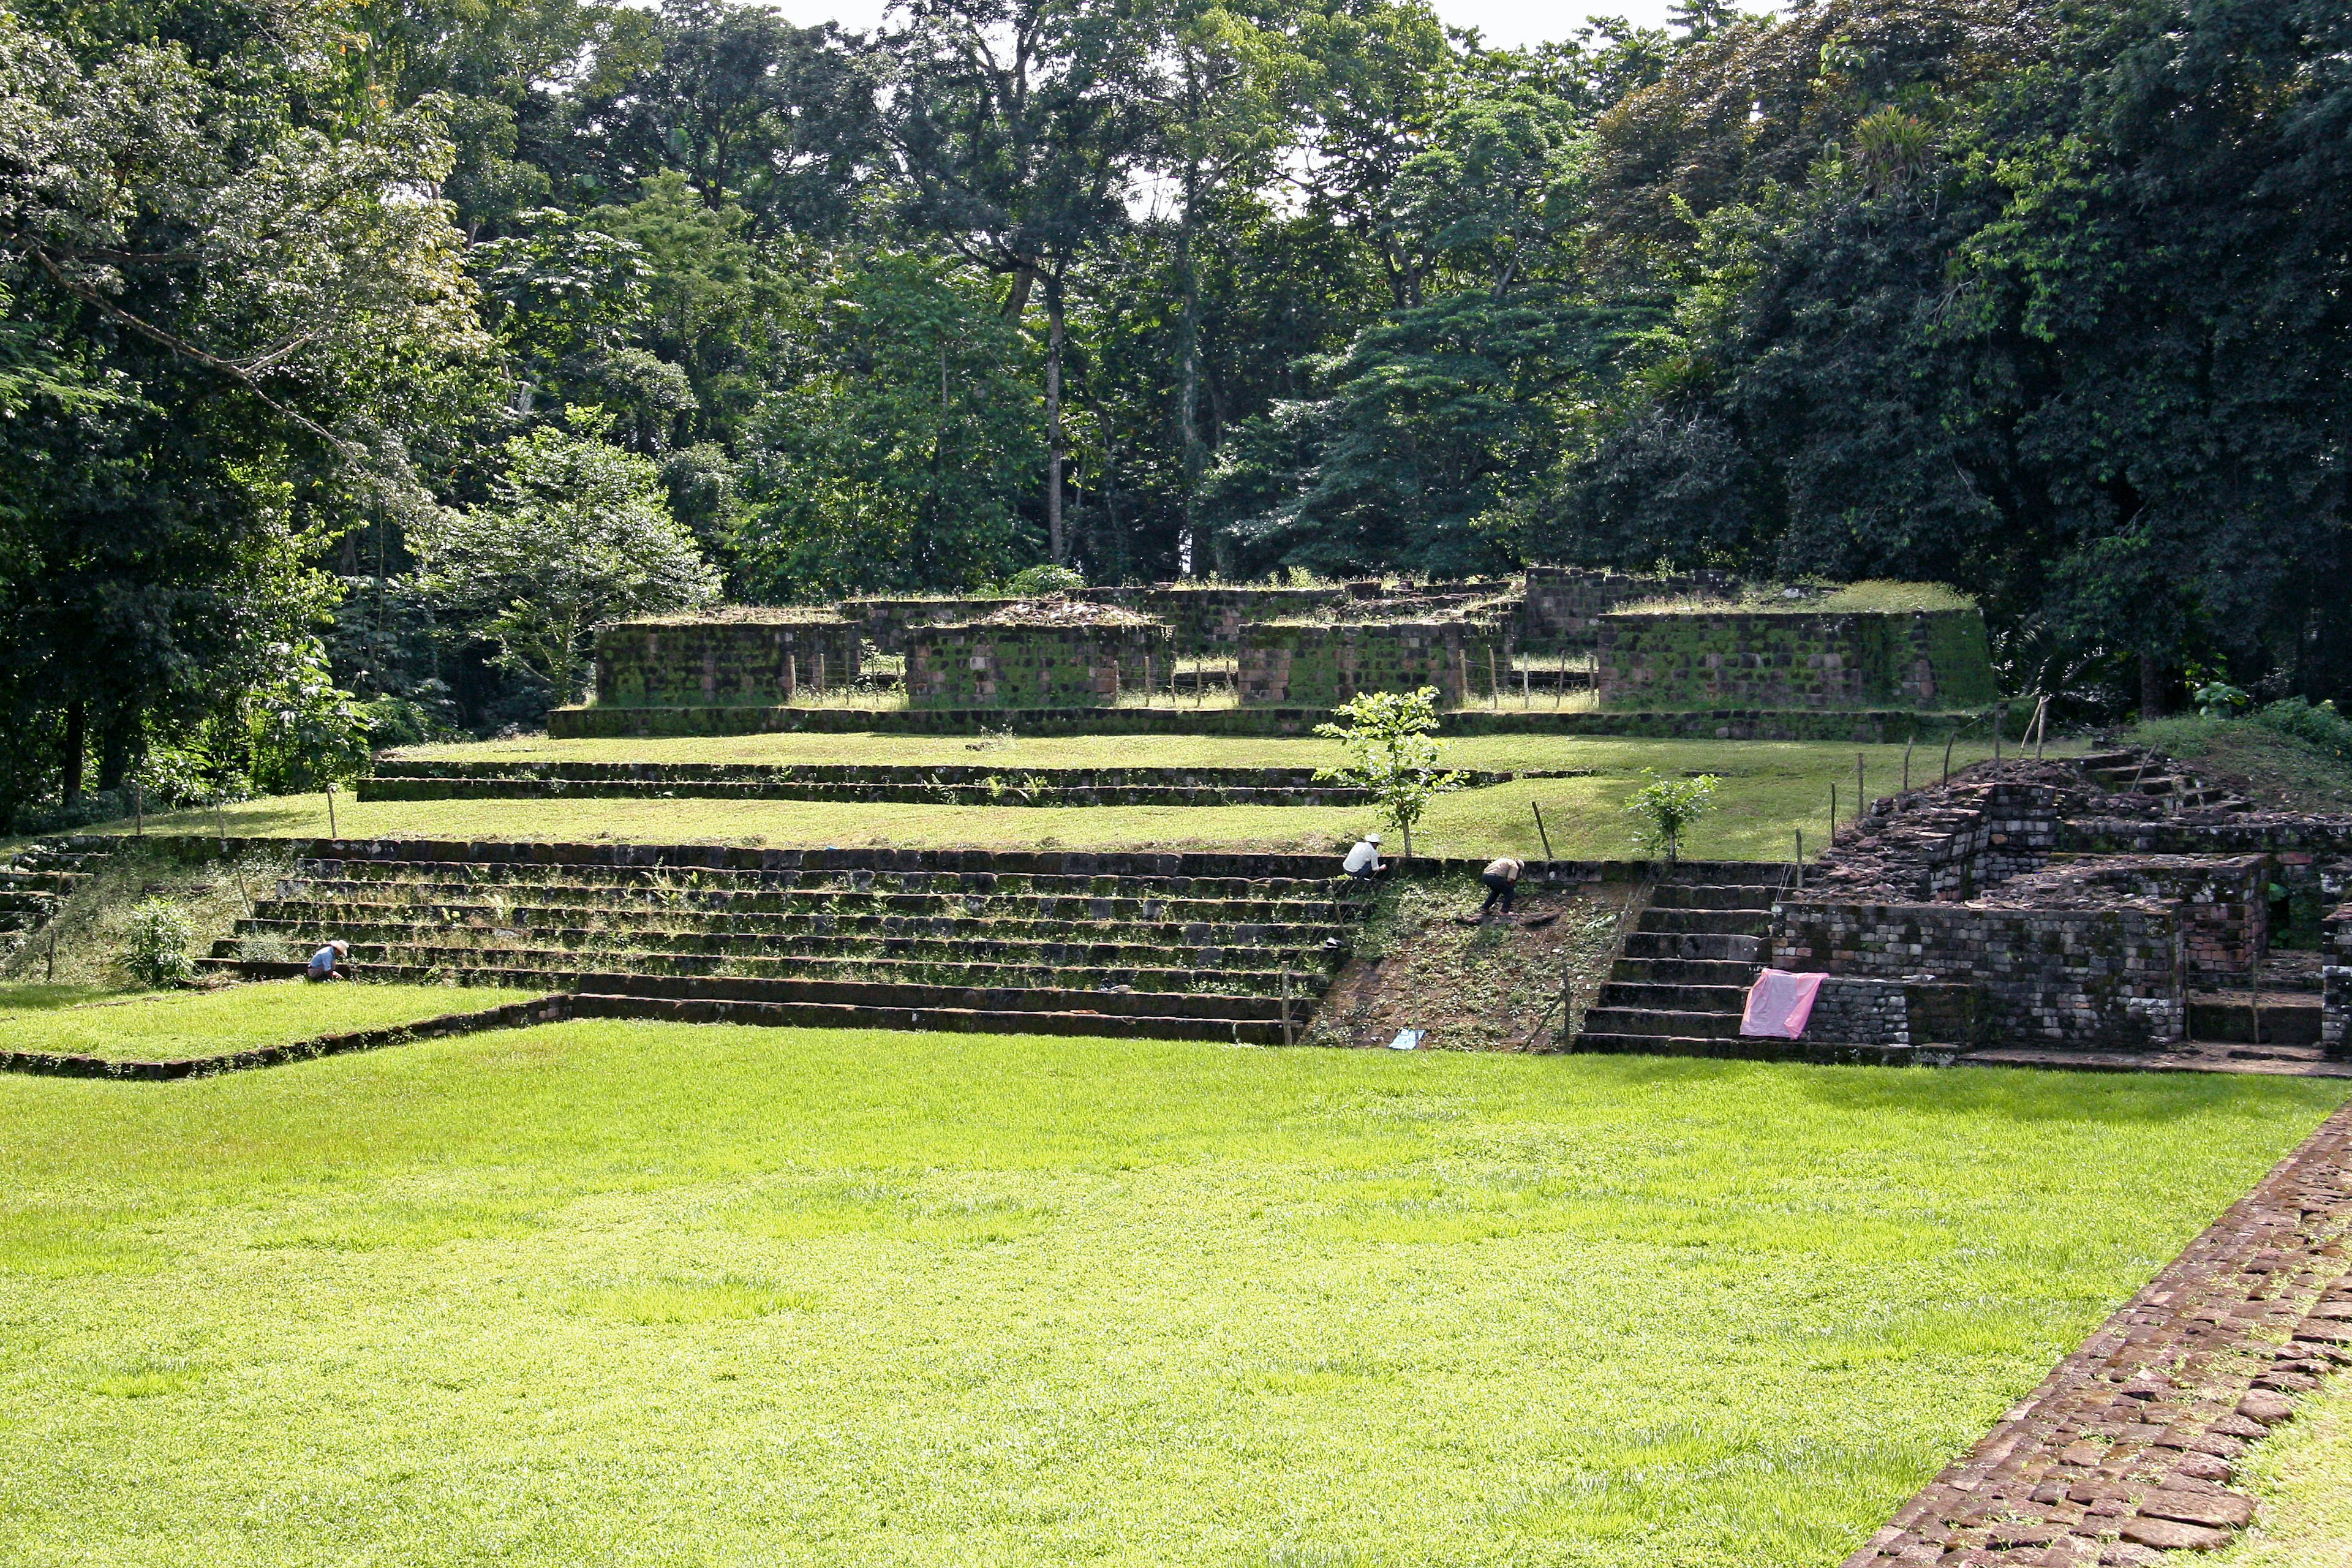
2290,755
628,1293
1771,790
168,1025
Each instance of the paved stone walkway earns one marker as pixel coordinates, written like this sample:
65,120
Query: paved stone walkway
2128,1447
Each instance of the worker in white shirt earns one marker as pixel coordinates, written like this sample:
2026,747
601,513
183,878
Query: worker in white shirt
1364,860
1502,878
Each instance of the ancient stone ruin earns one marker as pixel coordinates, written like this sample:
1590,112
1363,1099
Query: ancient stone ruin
1063,653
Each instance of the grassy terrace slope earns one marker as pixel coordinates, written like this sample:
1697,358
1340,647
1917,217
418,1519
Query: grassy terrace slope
648,1294
1770,788
167,1025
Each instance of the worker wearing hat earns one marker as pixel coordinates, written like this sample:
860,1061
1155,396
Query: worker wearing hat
1364,859
323,961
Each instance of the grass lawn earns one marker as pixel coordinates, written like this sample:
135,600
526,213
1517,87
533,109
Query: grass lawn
605,1293
164,1025
2302,1483
1770,789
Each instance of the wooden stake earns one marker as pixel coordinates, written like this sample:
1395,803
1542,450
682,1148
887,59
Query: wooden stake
1832,812
1494,691
1949,736
1999,718
1527,683
333,831
1800,859
1906,763
1860,793
139,811
1286,1037
1541,834
220,820
53,953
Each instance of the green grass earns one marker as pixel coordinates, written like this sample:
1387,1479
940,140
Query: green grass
2301,1479
164,1026
1766,599
606,1293
2276,770
1771,791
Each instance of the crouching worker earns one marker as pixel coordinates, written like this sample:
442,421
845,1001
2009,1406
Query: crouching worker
1364,860
323,961
1502,878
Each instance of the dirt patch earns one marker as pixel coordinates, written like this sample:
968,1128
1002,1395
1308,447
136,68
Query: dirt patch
1494,987
1058,612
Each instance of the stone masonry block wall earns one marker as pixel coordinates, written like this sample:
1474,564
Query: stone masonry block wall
1565,604
886,622
1851,1012
674,663
2091,978
2335,1010
2224,910
1310,665
1925,658
1018,666
1209,620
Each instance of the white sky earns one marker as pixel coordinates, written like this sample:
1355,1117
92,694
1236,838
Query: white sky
1503,23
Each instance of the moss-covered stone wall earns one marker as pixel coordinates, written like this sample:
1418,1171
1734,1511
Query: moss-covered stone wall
1026,666
747,659
1314,665
886,622
1916,658
1565,604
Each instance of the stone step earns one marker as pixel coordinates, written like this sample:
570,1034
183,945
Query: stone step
1722,922
686,878
1755,897
1736,1047
784,913
1684,972
2287,1018
839,1016
652,943
989,999
1723,874
424,963
1656,1021
1674,998
1689,944
2097,762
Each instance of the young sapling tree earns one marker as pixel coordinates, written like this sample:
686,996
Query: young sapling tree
1392,755
1666,807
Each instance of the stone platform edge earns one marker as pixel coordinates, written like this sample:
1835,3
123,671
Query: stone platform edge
1869,726
548,1009
2124,1451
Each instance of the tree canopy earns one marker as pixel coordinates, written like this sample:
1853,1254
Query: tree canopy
301,306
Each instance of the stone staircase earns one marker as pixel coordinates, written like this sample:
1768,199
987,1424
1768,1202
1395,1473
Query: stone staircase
2158,779
1194,947
1680,985
37,880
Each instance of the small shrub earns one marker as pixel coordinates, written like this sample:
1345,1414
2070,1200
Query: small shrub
154,951
2319,725
1666,807
1035,582
1393,752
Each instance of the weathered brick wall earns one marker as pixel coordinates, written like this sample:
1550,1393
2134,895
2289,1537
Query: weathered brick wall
1851,1012
1022,666
1311,665
885,622
1923,659
1565,604
739,659
2335,1010
2224,910
1947,845
2109,977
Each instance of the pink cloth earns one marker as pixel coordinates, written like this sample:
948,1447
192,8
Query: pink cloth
1780,1004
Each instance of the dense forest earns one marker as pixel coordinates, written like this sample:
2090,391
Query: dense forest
357,357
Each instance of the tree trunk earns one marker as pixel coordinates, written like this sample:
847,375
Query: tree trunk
2151,686
1055,451
1187,398
114,748
77,749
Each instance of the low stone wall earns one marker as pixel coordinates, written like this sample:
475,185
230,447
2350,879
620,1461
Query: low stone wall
2109,977
513,1015
1210,618
2335,1010
748,660
1946,844
1564,604
1017,665
2224,907
1309,664
885,623
1925,658
1850,1011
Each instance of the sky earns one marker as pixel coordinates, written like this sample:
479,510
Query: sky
1506,24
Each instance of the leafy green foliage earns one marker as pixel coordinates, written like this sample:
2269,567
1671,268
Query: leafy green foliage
154,950
1667,807
575,534
1391,738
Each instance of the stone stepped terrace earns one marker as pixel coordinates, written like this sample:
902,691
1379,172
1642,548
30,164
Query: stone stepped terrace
1178,946
36,881
1680,983
400,778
